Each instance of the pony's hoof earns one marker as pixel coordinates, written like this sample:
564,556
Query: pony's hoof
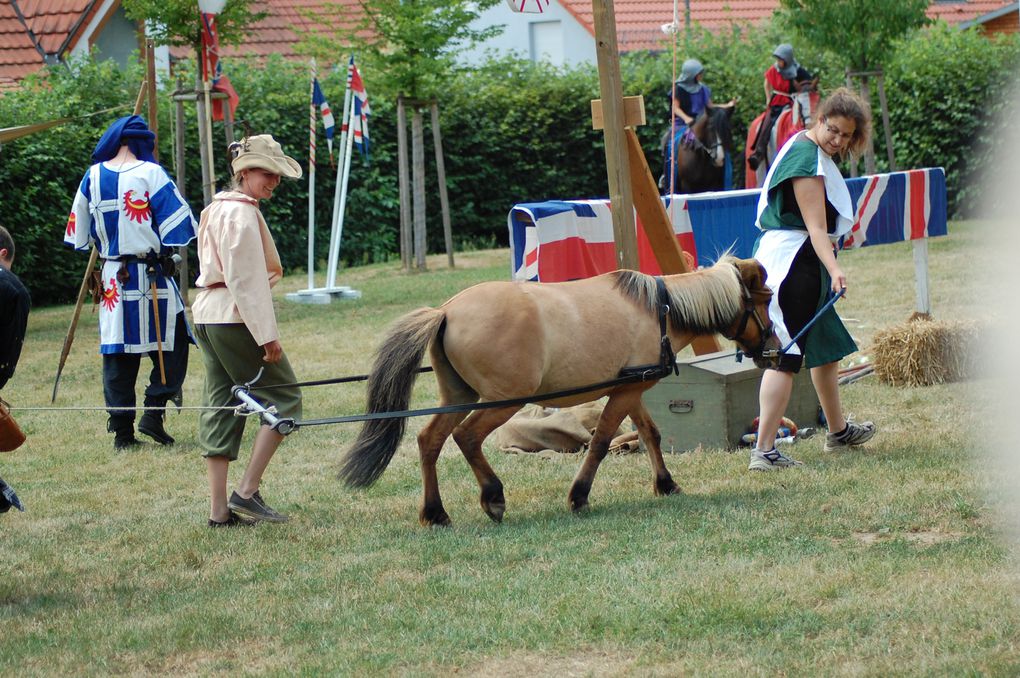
494,510
666,487
434,517
493,501
579,506
577,500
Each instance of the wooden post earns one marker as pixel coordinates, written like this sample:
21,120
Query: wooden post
890,151
203,144
182,268
444,201
405,189
617,166
853,158
869,152
418,187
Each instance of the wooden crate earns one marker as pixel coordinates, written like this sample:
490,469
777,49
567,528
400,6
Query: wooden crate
714,399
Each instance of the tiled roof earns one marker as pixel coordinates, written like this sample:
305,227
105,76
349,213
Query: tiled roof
56,23
639,22
50,22
284,26
957,12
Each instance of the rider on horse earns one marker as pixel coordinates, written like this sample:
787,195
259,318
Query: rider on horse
782,79
688,99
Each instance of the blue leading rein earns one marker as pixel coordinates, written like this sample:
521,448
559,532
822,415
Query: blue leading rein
828,304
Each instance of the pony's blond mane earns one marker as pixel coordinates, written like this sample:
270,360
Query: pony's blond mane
703,302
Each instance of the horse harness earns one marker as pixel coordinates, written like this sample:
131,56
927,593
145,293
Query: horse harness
764,331
628,375
667,358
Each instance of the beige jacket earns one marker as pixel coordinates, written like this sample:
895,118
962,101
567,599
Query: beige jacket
239,264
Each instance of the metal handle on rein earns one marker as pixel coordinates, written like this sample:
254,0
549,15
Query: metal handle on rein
282,425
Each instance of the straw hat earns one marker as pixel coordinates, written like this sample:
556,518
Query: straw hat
264,152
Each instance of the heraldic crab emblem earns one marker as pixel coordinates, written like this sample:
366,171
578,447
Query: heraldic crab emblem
137,209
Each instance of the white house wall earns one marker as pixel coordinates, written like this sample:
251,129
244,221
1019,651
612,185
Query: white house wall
566,41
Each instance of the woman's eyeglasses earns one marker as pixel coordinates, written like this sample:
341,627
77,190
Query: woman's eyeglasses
837,132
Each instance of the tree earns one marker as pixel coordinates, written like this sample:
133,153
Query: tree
862,31
409,46
176,22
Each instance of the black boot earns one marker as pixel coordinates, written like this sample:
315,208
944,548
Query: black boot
151,424
123,429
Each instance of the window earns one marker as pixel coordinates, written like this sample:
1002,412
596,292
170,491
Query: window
547,42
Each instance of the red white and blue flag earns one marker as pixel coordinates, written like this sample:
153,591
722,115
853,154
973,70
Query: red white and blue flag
897,206
319,99
567,240
361,109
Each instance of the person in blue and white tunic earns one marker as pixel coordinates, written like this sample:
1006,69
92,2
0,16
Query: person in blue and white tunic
129,208
803,211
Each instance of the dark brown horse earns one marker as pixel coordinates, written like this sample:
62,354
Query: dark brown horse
504,340
698,166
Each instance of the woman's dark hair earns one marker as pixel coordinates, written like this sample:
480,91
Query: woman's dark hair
845,104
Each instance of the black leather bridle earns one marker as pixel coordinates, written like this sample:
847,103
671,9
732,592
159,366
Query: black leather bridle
765,330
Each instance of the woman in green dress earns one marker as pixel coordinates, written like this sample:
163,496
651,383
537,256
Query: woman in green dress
803,211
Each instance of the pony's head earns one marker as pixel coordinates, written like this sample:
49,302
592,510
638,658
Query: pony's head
752,328
804,106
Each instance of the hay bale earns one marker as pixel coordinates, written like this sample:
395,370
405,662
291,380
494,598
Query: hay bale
923,352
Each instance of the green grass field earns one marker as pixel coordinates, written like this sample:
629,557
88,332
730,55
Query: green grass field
884,561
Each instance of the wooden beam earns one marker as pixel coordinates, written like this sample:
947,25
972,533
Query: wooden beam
617,167
633,112
444,200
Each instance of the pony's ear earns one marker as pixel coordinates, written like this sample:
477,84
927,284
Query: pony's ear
751,273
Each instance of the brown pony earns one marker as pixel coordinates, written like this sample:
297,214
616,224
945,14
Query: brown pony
504,340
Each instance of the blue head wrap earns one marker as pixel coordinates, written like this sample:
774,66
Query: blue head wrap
130,130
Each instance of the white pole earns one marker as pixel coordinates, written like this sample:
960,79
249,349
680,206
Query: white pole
311,178
333,245
921,276
339,216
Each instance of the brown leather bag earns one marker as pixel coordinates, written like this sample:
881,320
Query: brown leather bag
11,435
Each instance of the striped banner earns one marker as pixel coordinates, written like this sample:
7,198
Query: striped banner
566,240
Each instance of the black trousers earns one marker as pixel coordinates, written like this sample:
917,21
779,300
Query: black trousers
761,142
120,372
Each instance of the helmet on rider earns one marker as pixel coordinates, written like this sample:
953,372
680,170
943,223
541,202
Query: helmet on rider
790,65
689,72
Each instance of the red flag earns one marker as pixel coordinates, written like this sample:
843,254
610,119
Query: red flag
210,46
213,70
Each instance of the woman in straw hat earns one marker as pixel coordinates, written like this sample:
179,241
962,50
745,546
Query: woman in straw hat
803,210
236,326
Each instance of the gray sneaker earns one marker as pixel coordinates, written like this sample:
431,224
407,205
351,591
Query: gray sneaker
254,508
855,434
770,460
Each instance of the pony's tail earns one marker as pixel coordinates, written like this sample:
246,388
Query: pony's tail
389,390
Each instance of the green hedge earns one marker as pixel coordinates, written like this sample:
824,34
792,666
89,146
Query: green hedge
946,94
512,132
